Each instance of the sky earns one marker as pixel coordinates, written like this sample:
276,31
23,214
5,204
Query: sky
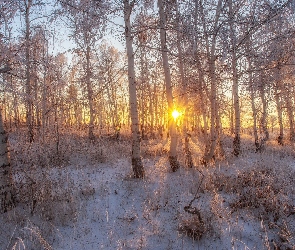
60,41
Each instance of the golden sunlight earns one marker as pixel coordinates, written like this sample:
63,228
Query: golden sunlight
175,114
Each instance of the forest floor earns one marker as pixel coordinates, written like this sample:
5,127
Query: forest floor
84,197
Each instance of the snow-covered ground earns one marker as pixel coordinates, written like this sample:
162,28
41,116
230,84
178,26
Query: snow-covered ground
243,203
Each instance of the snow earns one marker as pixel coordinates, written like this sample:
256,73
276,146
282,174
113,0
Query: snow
108,209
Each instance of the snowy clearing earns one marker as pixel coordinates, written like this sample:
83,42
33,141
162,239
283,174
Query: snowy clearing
243,203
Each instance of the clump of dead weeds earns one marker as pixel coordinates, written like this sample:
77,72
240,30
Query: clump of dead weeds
46,195
196,223
266,190
257,187
193,227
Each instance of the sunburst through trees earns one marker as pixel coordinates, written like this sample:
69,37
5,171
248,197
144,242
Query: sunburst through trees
189,83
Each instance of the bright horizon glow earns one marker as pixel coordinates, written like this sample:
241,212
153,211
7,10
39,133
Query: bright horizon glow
175,114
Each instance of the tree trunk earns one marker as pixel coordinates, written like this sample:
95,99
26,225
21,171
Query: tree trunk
264,114
219,151
237,139
34,78
143,75
200,71
137,165
187,152
151,111
203,99
44,93
211,145
90,95
15,111
254,112
279,109
174,164
252,94
110,104
7,192
29,104
37,110
290,115
156,100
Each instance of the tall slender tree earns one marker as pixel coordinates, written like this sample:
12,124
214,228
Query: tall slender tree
29,105
137,165
211,57
235,80
174,164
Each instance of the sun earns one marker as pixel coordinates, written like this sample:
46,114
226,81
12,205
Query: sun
175,114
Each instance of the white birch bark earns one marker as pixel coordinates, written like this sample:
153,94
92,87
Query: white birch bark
156,101
290,115
235,88
110,101
137,165
29,104
44,89
15,110
202,98
151,110
89,94
187,152
211,145
143,94
279,106
254,112
252,95
264,112
174,164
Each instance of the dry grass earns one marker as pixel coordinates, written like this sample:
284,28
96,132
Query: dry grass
47,196
262,188
256,187
154,148
46,152
193,227
44,203
265,189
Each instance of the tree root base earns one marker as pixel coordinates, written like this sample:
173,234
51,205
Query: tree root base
137,167
7,197
280,140
188,159
174,164
237,145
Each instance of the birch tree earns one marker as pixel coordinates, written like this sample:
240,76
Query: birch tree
252,96
278,97
184,87
174,164
137,165
235,80
29,104
211,57
290,107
